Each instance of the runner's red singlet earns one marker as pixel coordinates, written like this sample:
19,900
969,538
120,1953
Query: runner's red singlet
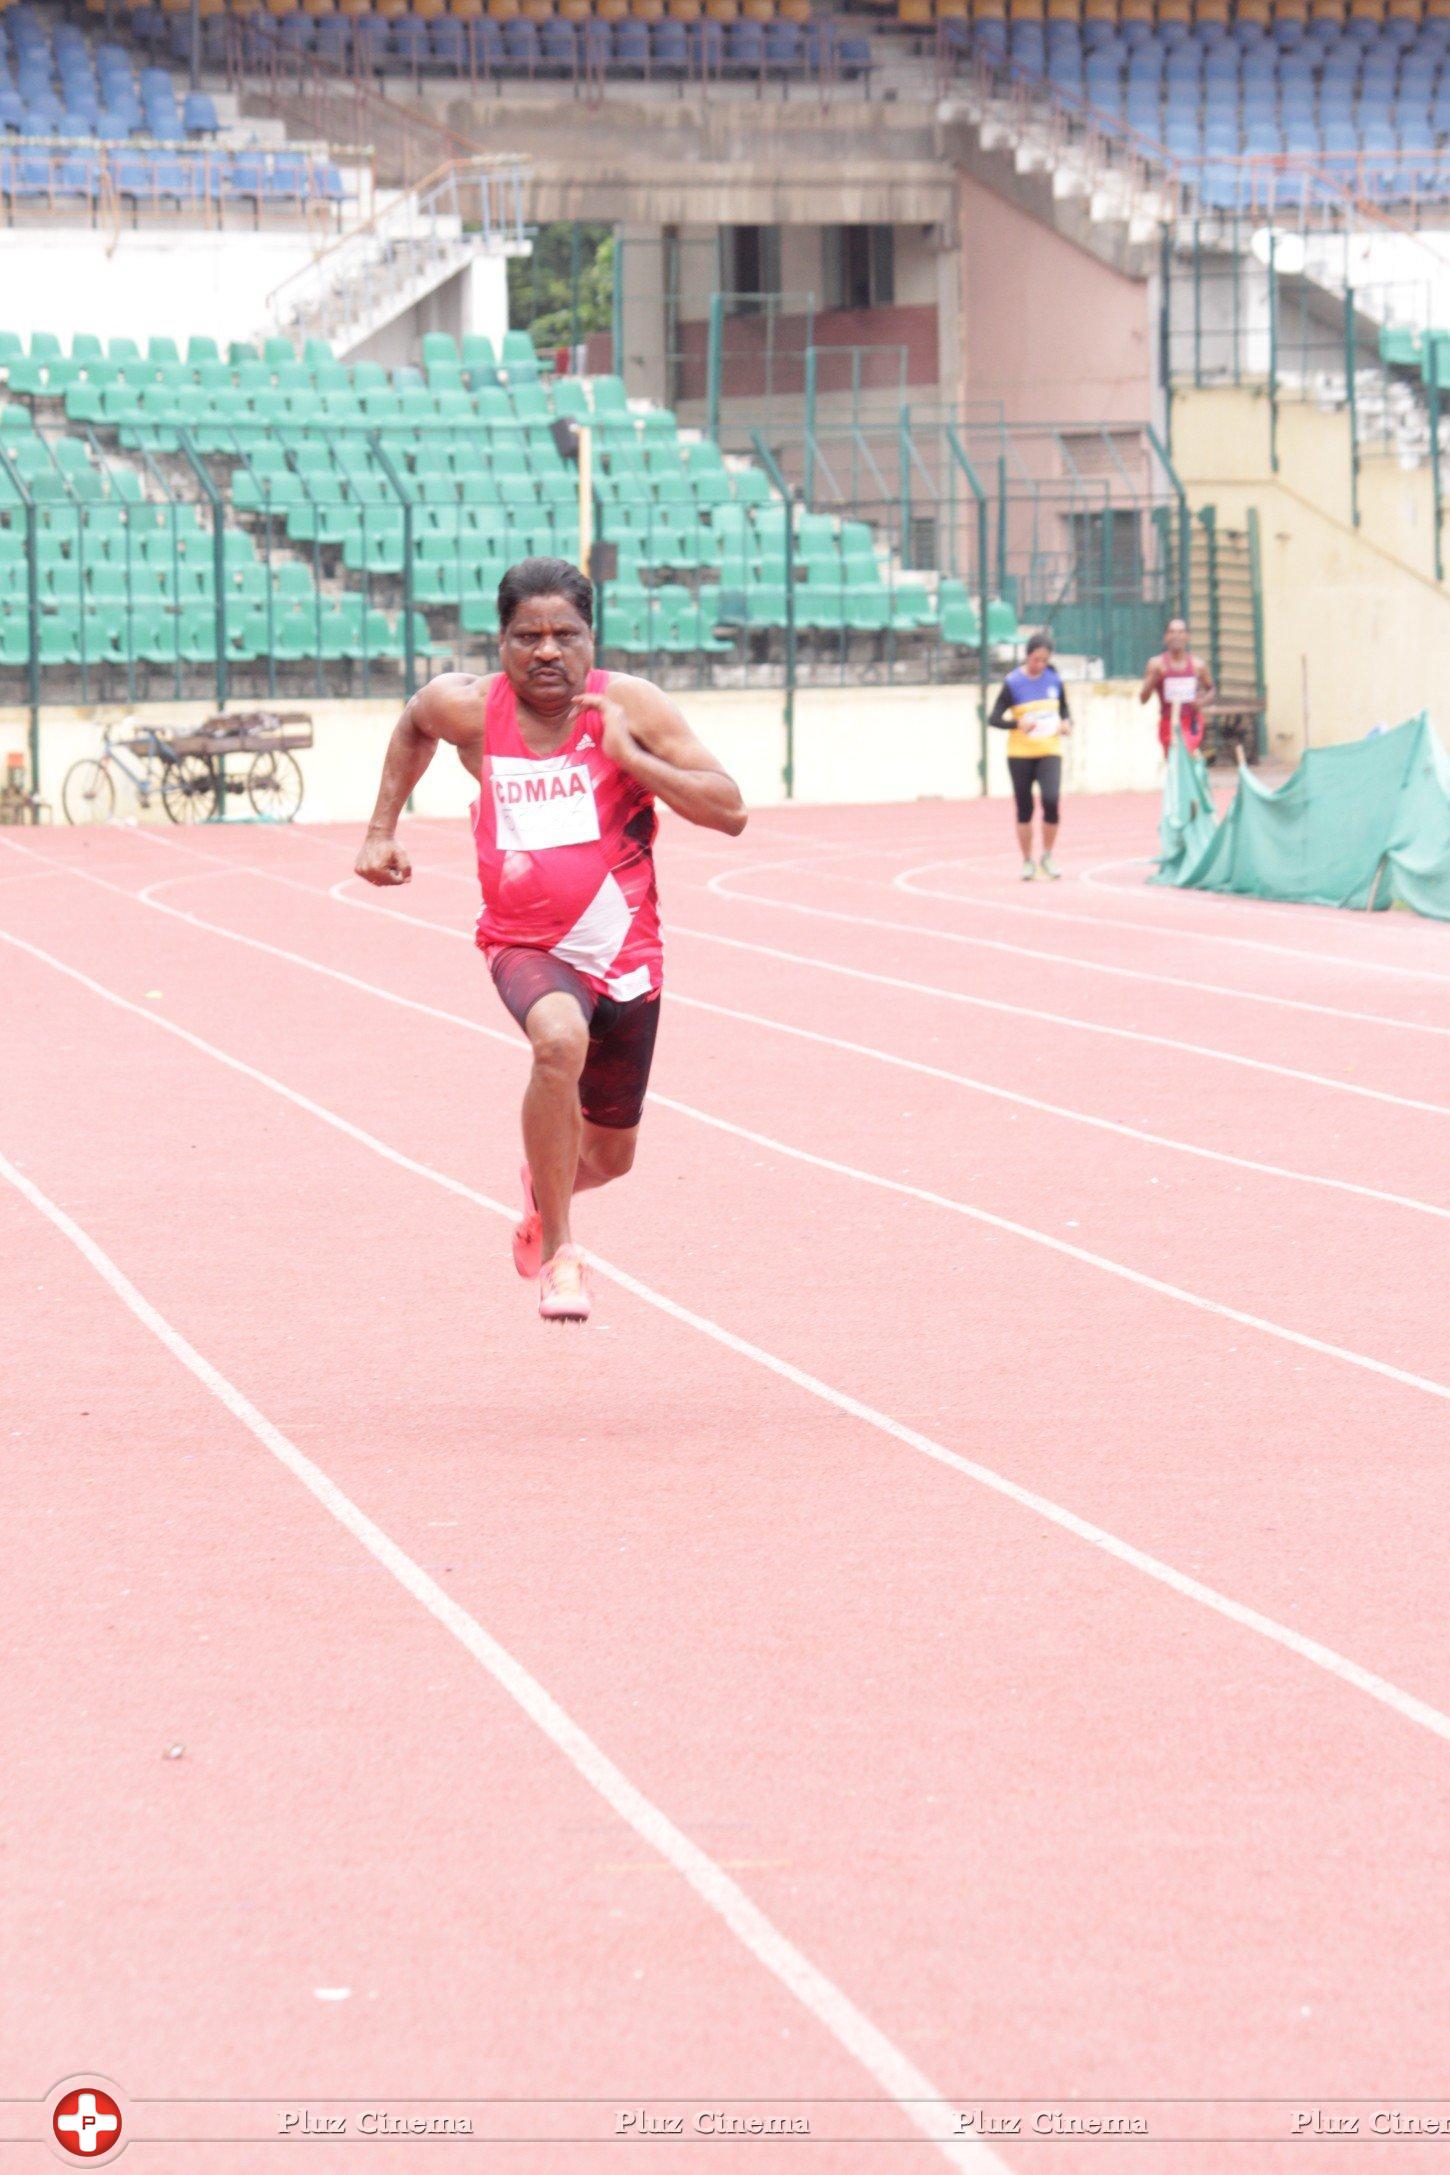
565,852
1179,684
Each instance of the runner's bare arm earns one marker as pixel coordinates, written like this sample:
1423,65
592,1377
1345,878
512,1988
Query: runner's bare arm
443,710
646,735
1151,679
1205,682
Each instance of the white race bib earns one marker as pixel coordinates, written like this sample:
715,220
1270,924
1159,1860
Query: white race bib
1040,720
538,805
1180,687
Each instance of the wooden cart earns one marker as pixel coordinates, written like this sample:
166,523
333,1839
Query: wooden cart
197,782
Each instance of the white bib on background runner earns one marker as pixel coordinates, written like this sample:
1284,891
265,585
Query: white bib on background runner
1180,687
541,804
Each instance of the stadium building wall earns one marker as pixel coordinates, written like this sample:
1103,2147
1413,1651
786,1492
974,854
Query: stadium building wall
1050,329
1355,623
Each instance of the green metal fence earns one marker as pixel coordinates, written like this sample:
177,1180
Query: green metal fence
1082,527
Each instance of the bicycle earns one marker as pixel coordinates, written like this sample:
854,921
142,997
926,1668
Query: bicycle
186,785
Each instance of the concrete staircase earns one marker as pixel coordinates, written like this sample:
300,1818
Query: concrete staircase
415,239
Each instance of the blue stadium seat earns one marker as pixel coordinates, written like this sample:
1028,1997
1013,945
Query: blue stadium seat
670,49
784,54
409,40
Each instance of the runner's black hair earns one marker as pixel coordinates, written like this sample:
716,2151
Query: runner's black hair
1042,639
544,578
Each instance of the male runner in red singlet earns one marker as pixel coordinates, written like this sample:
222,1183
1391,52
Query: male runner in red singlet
570,762
1179,680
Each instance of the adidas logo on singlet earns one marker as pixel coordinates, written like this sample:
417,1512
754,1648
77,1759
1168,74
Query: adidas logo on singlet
586,740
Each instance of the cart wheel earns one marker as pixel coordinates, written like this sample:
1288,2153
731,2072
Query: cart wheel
88,793
274,786
189,790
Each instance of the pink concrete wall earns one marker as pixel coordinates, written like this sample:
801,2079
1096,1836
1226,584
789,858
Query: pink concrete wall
1048,330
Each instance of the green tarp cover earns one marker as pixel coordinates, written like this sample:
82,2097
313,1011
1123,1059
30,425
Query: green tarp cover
1363,824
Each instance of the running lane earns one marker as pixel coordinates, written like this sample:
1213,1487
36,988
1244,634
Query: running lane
759,1622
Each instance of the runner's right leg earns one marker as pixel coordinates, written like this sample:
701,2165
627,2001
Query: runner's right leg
559,1038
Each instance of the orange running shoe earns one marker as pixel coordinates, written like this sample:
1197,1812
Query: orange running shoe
529,1235
563,1289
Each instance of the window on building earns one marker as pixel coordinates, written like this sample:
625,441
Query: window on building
1107,555
752,267
860,267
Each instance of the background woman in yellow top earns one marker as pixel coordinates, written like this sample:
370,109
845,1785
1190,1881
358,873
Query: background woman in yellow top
1032,709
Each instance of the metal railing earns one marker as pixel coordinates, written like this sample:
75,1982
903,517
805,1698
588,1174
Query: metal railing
202,183
466,208
1299,316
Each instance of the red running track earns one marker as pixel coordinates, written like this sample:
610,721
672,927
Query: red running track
966,1618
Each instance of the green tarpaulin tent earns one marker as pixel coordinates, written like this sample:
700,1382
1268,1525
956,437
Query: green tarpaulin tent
1362,824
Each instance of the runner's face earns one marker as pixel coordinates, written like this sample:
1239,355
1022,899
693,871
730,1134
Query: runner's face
547,652
1176,637
1038,661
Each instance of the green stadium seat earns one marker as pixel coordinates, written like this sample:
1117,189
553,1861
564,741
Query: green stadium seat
961,623
476,352
911,607
867,609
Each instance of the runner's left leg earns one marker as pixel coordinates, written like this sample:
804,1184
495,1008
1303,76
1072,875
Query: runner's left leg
605,1152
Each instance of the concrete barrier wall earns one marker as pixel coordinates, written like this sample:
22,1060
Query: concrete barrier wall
851,744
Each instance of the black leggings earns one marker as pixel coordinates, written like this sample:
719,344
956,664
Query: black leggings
1047,770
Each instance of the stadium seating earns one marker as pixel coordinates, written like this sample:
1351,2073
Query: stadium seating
54,83
210,185
1366,98
357,493
648,45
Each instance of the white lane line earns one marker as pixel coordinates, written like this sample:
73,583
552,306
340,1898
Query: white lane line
915,2094
1400,1702
1059,1110
1056,1019
1142,926
1224,902
1077,960
721,886
1083,923
783,1148
752,1019
959,996
32,875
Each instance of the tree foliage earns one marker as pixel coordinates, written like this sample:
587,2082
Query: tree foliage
540,298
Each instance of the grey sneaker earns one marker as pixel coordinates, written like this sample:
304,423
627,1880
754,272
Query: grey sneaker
1029,872
1050,869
